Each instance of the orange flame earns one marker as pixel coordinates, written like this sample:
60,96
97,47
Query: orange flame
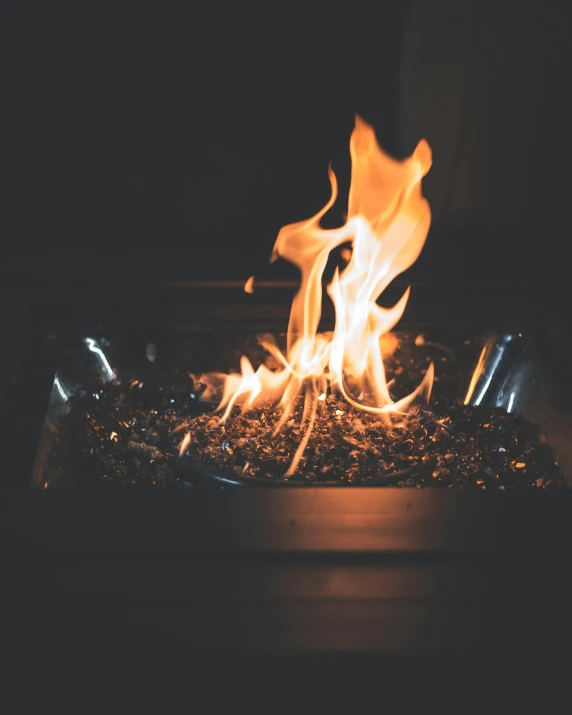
387,224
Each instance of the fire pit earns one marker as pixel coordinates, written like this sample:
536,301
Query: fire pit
353,405
121,405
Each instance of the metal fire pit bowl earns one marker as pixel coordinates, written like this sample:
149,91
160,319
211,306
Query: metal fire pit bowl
524,372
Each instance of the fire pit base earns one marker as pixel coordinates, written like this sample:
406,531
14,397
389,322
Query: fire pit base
192,471
121,405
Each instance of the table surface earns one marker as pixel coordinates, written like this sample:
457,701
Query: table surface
302,571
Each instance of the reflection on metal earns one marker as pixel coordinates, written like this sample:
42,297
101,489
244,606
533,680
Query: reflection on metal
60,389
94,347
498,360
475,376
484,390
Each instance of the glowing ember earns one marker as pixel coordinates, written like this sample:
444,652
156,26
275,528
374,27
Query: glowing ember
387,224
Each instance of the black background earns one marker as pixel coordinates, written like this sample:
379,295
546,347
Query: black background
153,143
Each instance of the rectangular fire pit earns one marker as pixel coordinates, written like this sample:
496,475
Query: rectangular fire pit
121,398
355,404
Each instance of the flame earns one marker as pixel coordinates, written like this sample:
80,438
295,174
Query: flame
185,443
387,224
249,285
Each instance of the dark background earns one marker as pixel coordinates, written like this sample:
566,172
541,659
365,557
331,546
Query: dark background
170,144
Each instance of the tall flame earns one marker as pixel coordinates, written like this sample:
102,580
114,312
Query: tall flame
388,220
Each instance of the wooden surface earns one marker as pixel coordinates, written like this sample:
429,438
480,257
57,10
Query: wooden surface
302,571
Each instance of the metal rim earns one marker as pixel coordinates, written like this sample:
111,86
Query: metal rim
193,472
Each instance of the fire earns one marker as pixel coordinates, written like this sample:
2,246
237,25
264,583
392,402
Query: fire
387,224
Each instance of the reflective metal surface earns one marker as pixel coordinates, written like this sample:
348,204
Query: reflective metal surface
525,373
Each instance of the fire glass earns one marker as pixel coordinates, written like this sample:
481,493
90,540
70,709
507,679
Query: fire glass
520,372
